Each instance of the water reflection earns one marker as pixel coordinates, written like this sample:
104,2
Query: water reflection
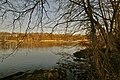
34,44
23,59
77,68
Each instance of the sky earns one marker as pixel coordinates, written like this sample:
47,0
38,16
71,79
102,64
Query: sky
21,24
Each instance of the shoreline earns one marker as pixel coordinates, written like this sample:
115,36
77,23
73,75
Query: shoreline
42,43
84,69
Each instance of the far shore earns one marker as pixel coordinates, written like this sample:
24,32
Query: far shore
41,43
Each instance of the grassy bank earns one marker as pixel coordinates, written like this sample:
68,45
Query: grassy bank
42,74
41,43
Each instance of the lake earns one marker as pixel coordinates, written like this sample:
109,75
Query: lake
24,59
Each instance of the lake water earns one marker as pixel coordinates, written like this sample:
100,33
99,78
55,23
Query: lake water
24,59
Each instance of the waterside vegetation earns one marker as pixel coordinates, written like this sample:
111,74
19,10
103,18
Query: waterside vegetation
41,39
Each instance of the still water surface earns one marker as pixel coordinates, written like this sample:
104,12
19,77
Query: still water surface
30,59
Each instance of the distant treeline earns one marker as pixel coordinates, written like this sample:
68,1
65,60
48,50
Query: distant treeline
41,36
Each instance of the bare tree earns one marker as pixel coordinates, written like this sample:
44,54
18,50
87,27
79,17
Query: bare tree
30,13
101,18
